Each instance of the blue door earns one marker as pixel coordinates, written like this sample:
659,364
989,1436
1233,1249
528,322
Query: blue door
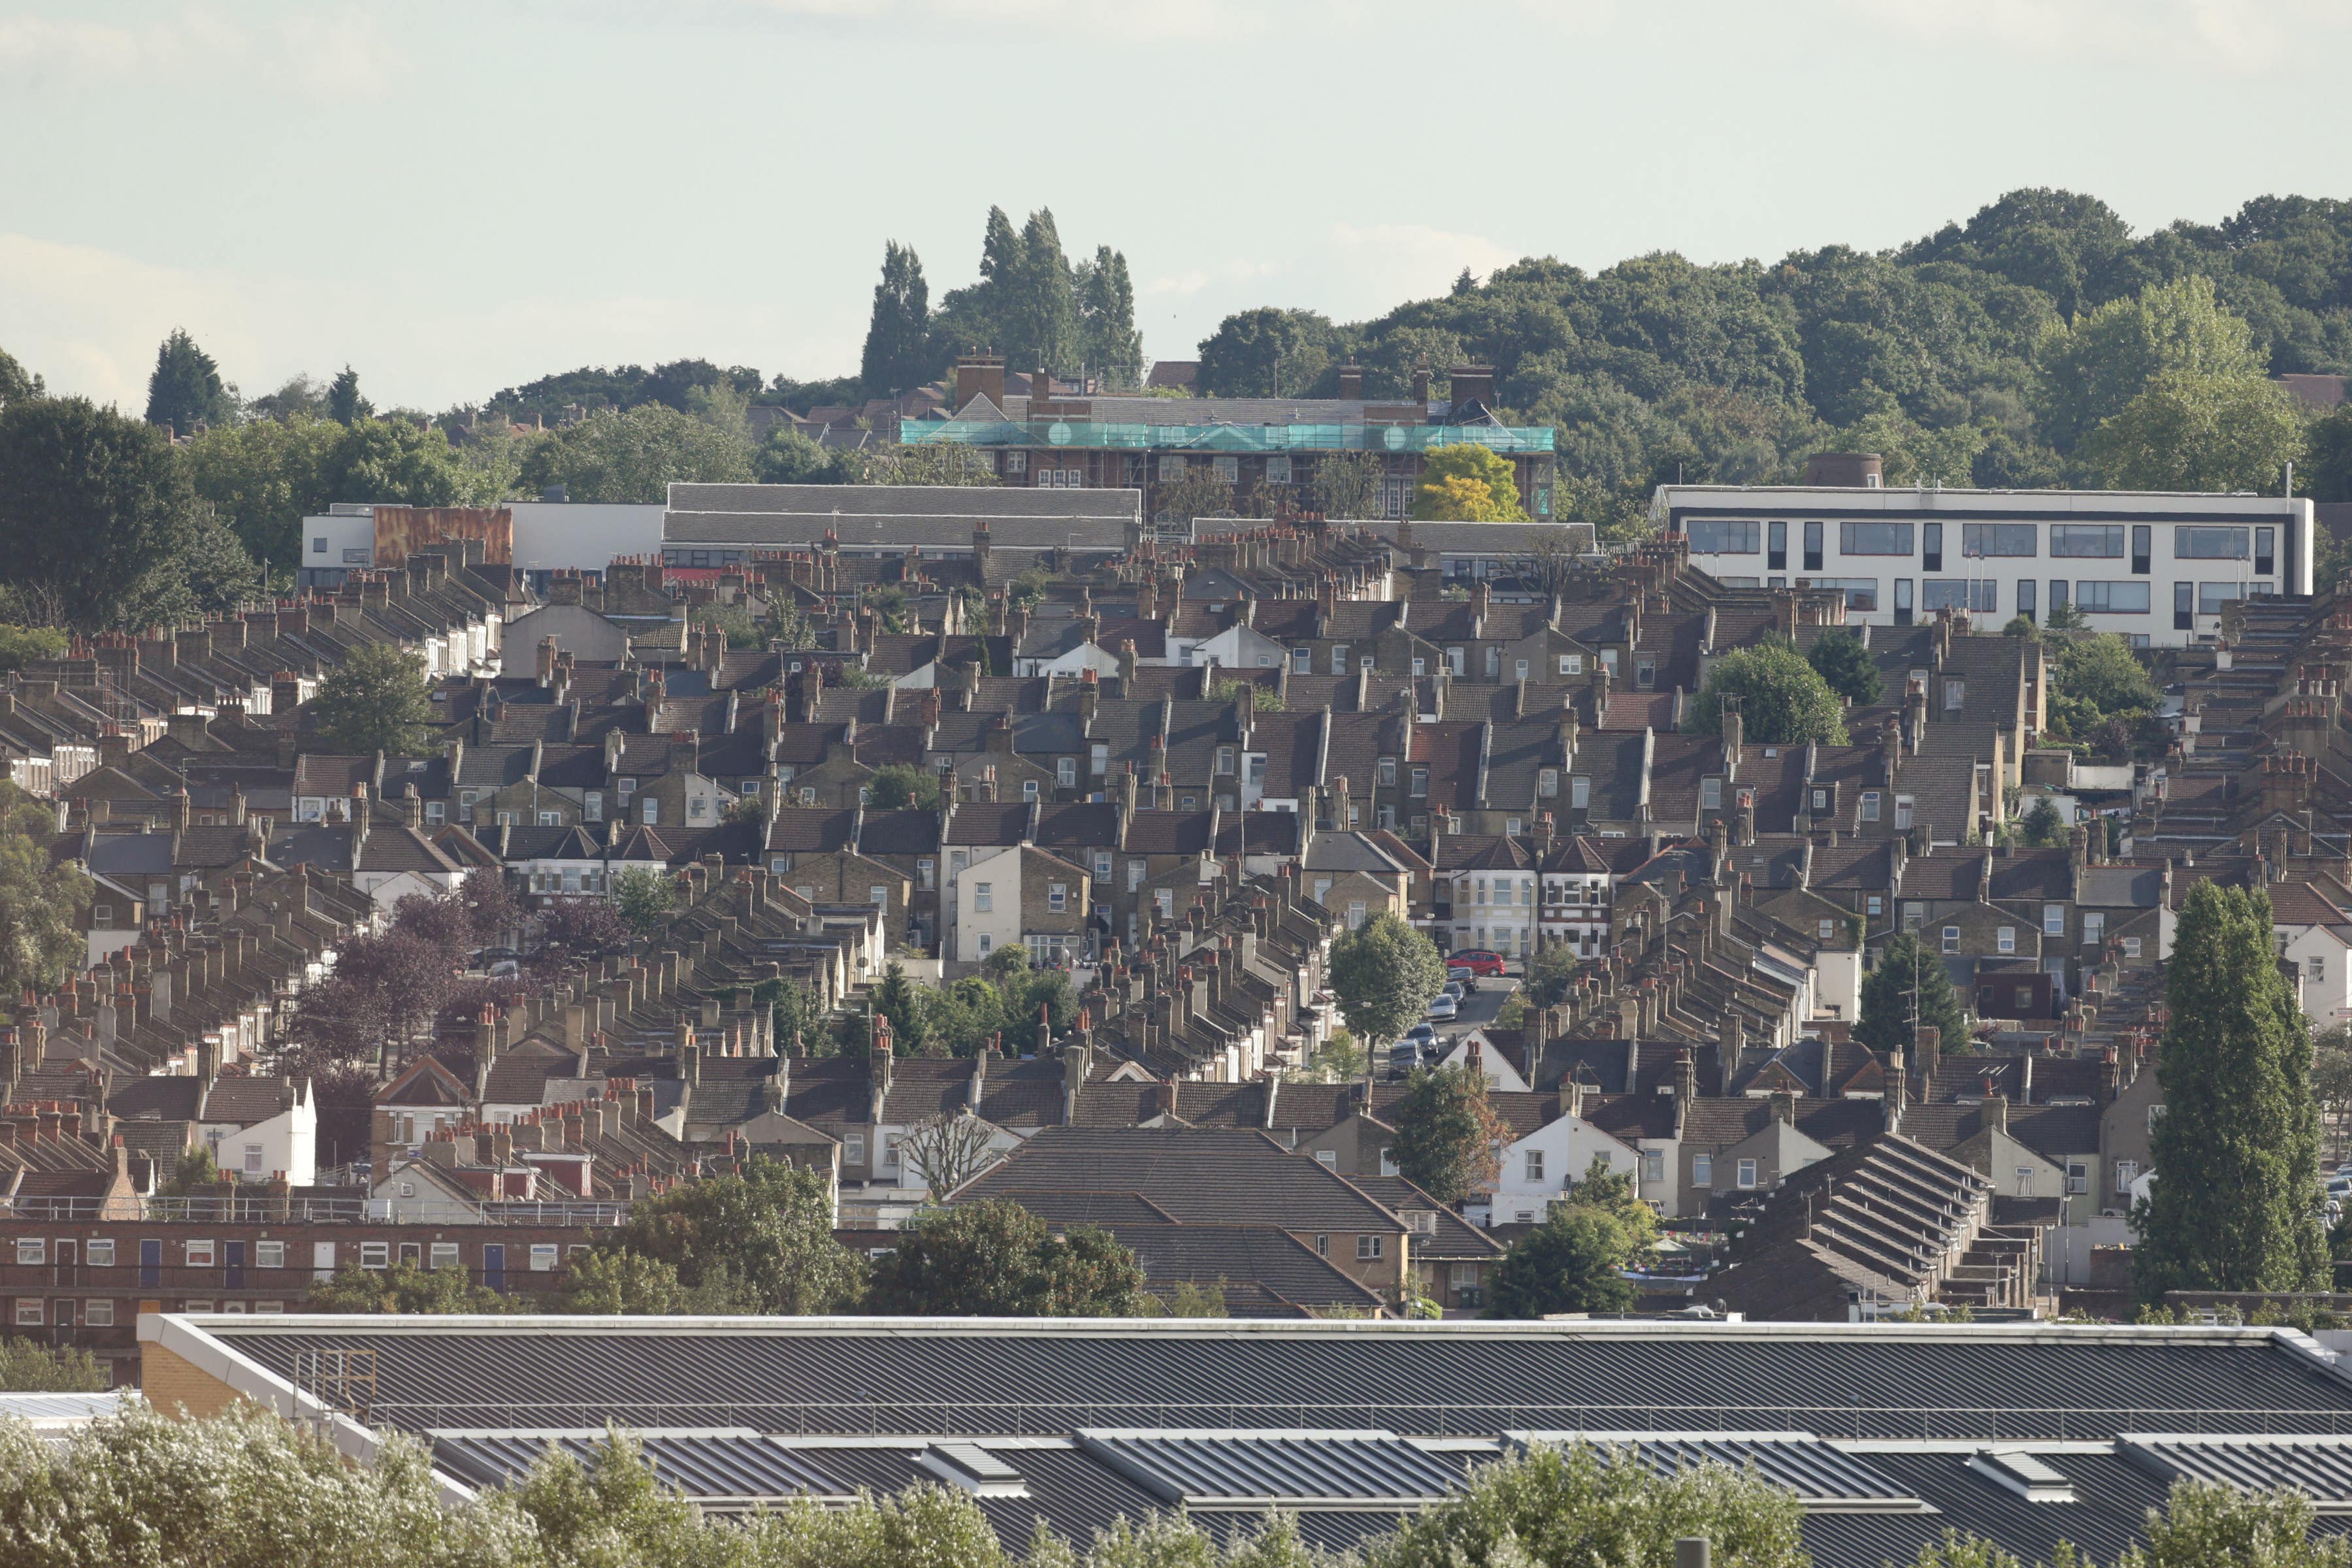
233,1257
150,1264
494,1266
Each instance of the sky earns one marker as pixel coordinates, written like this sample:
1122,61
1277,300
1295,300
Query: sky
456,197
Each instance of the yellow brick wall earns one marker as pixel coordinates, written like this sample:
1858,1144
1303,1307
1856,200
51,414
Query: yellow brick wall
174,1383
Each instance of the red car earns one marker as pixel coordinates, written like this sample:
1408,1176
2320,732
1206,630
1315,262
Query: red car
1477,961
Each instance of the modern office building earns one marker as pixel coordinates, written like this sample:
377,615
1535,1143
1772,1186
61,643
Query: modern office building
1271,443
2155,566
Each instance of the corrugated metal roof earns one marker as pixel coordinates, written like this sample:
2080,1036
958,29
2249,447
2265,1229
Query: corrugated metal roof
1824,1477
1261,1470
2319,1468
721,1468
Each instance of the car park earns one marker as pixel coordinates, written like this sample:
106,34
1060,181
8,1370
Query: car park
1477,961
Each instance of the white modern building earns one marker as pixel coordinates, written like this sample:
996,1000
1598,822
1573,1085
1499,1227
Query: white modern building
549,536
2156,567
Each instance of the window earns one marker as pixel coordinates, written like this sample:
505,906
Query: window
1746,1175
1535,1165
1951,939
2193,543
98,1314
925,873
1861,593
98,1253
1277,469
2005,938
1955,696
1713,537
1902,811
1828,929
1322,1246
252,1160
1165,898
1873,538
1102,865
879,895
1421,781
1703,1170
444,1254
1494,662
318,544
1519,669
1776,547
1999,539
1355,914
983,897
1548,783
2087,540
1028,789
2131,947
1057,897
2126,1172
1580,792
2211,596
31,1249
2124,598
1224,759
1874,905
1571,663
1870,806
650,812
2094,928
853,1148
1328,1158
1340,659
1065,772
2265,551
373,1254
1710,795
28,1311
1368,1248
1134,875
1172,466
1387,771
1302,661
543,1255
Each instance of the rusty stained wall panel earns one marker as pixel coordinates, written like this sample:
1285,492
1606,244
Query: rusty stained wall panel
401,528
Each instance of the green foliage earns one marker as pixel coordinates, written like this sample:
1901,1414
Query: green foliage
40,932
2093,368
344,403
405,1288
1588,1505
1783,700
1186,1298
1268,353
95,508
195,1168
1384,972
2236,1201
1467,483
27,1366
759,1242
1549,974
1571,1262
1262,698
634,456
898,353
1347,484
1841,660
1199,493
1447,1133
17,382
789,457
184,389
1114,349
2205,1523
895,999
1036,310
734,619
1908,980
798,1022
997,1260
2042,825
932,463
623,1284
1340,1059
2095,680
2189,431
645,897
902,785
375,700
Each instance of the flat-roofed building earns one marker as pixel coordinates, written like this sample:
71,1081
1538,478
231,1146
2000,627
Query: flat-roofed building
716,525
2155,566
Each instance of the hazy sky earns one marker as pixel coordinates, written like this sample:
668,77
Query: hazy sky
456,197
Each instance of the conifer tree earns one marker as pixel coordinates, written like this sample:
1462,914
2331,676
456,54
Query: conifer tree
1909,976
2236,1201
185,387
1114,349
1041,320
899,341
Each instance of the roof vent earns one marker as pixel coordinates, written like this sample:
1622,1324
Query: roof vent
2023,1474
974,1469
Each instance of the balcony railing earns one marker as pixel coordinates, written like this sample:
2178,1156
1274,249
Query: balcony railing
260,1210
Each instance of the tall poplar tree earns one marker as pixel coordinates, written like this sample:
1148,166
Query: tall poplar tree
1041,320
1114,349
2236,1204
899,341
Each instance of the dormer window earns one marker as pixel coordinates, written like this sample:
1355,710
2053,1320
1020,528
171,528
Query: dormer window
1710,795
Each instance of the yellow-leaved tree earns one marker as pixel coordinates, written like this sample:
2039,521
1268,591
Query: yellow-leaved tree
1468,483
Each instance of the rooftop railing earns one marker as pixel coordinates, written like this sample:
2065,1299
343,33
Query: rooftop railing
261,1209
1088,435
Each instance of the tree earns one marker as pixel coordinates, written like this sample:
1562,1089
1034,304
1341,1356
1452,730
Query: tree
1199,493
1039,310
1550,972
186,389
2097,679
2236,1201
1586,1504
195,1169
1783,700
996,1260
20,646
2093,367
761,1241
2331,1073
1574,1260
211,574
27,1366
1909,989
898,354
1467,483
264,477
1107,319
947,1151
622,1284
375,700
405,1288
2207,1522
17,382
1347,485
95,508
1384,972
898,786
2189,431
344,403
1841,660
643,896
40,899
1448,1136
636,456
576,929
2044,826
1265,353
894,999
1550,562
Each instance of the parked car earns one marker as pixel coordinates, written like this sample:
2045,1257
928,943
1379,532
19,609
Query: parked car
1420,1034
1463,973
1442,1006
1410,1053
1477,961
1453,988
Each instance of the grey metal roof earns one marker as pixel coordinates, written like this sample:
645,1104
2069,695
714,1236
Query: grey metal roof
719,1466
1259,1470
2320,1469
1823,1476
972,503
